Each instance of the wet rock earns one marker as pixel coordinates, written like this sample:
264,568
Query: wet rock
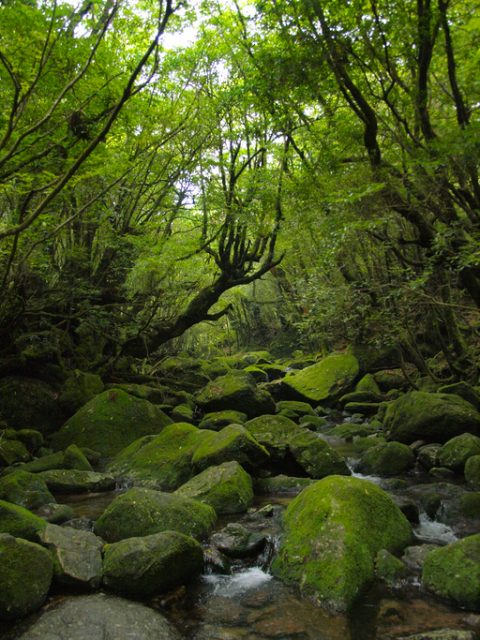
151,564
414,557
77,481
387,459
472,471
236,391
76,554
427,455
215,561
98,617
55,513
19,522
25,489
25,575
408,507
389,568
236,541
455,453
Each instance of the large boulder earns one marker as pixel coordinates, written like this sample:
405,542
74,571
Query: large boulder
236,391
98,617
434,417
151,564
231,443
77,555
76,481
387,459
25,489
333,532
27,402
25,575
455,453
142,512
453,572
19,522
294,448
111,421
324,381
226,487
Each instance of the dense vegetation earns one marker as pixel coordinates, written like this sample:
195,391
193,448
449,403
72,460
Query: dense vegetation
324,156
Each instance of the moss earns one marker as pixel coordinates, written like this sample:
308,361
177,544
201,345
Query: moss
369,384
282,484
74,458
316,457
110,422
226,487
453,572
362,408
387,459
19,522
333,531
77,480
314,423
389,568
231,443
259,375
182,413
236,391
50,461
325,381
152,564
25,489
472,471
26,571
12,451
296,407
216,420
142,512
31,438
457,451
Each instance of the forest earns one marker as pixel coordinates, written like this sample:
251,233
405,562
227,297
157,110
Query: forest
240,245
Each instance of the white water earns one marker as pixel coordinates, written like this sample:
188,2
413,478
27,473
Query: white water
237,583
432,531
355,474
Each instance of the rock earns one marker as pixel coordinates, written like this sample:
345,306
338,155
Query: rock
235,541
282,485
25,575
441,472
19,522
31,438
78,389
109,422
465,391
76,555
76,481
45,463
454,453
362,408
25,489
151,564
414,557
182,413
433,417
98,617
142,512
389,568
216,562
387,459
274,371
258,374
234,442
55,513
472,471
368,384
226,487
314,423
427,455
216,420
453,572
315,456
408,507
333,531
12,451
442,634
360,397
323,382
236,391
390,379
29,402
294,409
74,458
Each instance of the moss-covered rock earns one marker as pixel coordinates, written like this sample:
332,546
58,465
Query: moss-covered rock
44,463
26,402
325,381
427,455
281,484
465,391
388,567
453,572
434,417
152,564
25,575
258,374
31,438
183,412
78,389
74,458
142,512
19,522
111,421
369,384
314,423
389,379
237,391
77,481
362,408
333,531
55,513
360,397
12,451
25,489
216,420
472,471
455,453
236,541
387,459
226,487
294,409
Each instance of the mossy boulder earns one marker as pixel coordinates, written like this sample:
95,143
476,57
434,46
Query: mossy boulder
74,458
434,417
182,413
455,453
111,421
314,423
294,409
472,471
333,532
453,572
27,402
323,382
236,391
427,455
281,484
216,420
78,389
151,564
359,397
236,541
226,487
31,438
389,379
19,522
44,463
465,391
388,567
26,571
258,374
12,451
25,489
387,459
142,512
77,481
369,384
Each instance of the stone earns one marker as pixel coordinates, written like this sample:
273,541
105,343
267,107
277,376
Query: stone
31,438
236,541
453,572
324,381
465,391
151,564
142,512
12,451
98,617
369,384
387,459
236,391
414,556
258,374
442,634
74,458
333,532
28,402
295,408
19,522
390,379
226,487
25,576
389,568
455,453
77,481
362,408
433,417
281,484
109,422
314,423
25,489
45,463
427,455
55,513
182,413
78,389
77,556
472,471
216,420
